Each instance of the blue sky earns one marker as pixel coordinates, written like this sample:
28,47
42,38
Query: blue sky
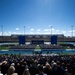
38,16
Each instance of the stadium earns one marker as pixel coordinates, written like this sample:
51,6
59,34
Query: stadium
37,43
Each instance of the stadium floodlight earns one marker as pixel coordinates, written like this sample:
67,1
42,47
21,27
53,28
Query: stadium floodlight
72,30
24,30
50,29
2,29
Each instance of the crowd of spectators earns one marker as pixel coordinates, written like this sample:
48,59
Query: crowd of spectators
37,65
30,46
51,46
42,46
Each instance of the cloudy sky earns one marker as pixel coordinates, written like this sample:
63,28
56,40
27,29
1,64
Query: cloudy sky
37,17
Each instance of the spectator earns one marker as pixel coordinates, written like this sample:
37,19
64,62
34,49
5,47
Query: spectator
40,69
4,67
26,72
48,70
11,71
58,70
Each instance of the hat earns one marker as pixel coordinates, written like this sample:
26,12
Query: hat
4,62
12,64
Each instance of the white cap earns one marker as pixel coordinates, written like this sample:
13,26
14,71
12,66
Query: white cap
12,64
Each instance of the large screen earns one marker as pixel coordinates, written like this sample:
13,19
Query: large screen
21,40
37,42
54,39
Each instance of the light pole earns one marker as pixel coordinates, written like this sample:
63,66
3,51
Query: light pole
72,29
51,30
2,29
24,30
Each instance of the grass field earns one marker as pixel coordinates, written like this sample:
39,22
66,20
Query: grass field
4,48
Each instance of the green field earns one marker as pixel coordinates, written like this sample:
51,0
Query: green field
4,48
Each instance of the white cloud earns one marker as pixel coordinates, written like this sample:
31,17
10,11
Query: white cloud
57,30
32,29
0,33
46,33
71,31
46,30
53,29
6,33
9,32
63,31
20,33
38,30
32,33
17,28
14,33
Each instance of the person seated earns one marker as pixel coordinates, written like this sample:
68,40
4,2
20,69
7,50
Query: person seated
40,69
48,69
11,71
26,71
